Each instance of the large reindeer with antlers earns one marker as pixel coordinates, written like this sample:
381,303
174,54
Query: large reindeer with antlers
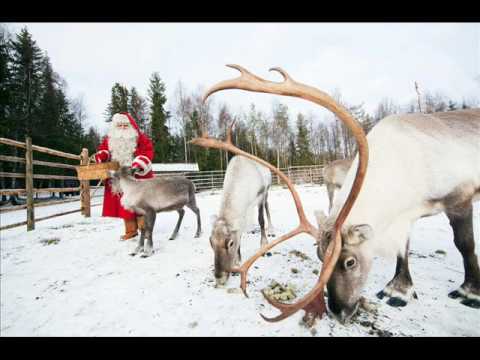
422,164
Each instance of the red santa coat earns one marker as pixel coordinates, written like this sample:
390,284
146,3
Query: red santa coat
142,160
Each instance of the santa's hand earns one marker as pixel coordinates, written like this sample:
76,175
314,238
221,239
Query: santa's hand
135,170
102,156
143,164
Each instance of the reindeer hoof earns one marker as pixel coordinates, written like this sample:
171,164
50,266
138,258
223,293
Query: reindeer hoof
396,302
147,252
471,303
455,294
381,294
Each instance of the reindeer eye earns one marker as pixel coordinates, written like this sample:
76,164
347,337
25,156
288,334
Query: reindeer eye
229,244
350,263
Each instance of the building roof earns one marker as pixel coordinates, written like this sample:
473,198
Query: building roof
187,167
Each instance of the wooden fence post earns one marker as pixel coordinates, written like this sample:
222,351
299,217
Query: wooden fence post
85,186
29,183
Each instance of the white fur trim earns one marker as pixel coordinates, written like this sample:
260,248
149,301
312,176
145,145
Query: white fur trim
145,164
120,119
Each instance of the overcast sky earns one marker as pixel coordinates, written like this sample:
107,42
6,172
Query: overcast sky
365,61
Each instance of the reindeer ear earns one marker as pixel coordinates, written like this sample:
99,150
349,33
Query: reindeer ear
358,234
321,217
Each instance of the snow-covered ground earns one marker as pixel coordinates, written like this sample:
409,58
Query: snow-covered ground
73,277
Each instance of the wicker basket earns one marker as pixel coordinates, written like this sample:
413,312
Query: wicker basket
96,171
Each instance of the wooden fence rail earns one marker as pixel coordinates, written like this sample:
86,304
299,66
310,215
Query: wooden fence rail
29,176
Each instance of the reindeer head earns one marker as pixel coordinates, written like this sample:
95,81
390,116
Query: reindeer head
116,175
351,270
225,243
313,302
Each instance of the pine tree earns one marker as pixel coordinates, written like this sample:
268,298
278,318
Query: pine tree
25,75
118,101
5,82
48,130
137,107
91,140
303,155
158,119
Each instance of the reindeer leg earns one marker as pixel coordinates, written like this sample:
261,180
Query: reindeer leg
261,221
462,225
196,210
150,217
270,231
400,288
181,212
330,191
141,240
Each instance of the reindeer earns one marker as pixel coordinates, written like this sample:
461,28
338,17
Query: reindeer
421,164
334,175
148,197
245,186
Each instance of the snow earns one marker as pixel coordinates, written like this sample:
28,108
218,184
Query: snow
86,284
166,167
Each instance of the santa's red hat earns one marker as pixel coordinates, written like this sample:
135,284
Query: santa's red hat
125,117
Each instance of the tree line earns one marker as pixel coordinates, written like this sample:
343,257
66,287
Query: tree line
280,137
33,102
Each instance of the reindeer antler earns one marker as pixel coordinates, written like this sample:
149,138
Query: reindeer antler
313,303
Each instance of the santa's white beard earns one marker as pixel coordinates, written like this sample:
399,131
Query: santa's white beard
122,144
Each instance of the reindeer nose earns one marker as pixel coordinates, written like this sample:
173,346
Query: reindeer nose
221,278
341,312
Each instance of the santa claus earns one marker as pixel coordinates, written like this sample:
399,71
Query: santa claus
126,144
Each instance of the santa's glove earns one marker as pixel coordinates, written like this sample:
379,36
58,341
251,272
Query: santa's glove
143,164
136,170
102,156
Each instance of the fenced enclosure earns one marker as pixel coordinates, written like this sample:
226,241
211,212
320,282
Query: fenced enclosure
203,180
29,176
209,180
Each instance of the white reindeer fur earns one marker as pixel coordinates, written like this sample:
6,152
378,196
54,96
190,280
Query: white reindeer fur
244,180
413,159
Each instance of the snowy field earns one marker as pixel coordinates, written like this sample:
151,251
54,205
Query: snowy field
73,277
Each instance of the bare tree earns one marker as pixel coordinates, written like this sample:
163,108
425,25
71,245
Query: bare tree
183,109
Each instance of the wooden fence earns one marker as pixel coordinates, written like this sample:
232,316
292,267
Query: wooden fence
203,180
29,175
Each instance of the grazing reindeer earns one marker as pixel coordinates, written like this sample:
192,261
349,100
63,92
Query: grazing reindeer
245,186
420,165
148,197
334,175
